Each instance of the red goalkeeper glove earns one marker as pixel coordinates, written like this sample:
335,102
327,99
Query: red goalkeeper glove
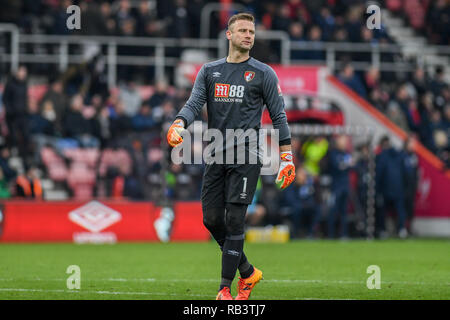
286,172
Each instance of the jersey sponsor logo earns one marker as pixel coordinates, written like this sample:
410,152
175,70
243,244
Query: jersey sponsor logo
224,92
249,75
216,74
221,90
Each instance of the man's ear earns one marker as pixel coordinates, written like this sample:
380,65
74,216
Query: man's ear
228,34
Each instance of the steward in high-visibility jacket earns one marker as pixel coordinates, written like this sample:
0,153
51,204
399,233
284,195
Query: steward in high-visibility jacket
28,186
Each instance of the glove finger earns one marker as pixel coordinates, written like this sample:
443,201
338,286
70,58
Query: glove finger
174,138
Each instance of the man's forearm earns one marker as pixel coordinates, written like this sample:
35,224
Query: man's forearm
286,147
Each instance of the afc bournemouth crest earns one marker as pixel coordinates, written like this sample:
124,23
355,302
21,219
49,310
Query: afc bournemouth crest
249,75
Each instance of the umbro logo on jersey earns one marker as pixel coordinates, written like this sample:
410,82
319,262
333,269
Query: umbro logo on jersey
249,75
216,74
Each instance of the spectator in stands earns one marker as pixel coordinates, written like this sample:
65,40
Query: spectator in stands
350,79
179,27
122,183
379,99
123,13
131,98
59,19
163,113
390,184
413,115
341,35
419,81
36,123
119,122
411,164
438,82
340,163
353,22
15,101
372,79
438,21
8,173
363,174
313,152
366,37
282,19
159,96
446,120
109,21
301,201
314,40
143,121
395,114
4,186
326,22
80,123
442,98
296,35
144,16
442,147
426,109
53,104
28,185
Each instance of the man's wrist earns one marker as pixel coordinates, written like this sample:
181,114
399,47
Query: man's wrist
181,121
286,156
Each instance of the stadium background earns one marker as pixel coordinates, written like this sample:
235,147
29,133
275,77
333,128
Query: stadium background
88,121
83,155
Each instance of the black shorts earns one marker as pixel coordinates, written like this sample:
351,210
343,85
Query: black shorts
233,183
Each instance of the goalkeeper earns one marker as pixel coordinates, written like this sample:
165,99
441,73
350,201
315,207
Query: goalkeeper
235,89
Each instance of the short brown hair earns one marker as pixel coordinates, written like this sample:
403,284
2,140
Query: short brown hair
241,16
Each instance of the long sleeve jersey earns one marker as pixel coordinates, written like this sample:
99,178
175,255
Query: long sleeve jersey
235,95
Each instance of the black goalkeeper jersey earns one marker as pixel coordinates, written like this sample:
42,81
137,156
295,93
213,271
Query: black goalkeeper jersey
235,95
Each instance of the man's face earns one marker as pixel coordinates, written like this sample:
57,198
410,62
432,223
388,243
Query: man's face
242,35
21,73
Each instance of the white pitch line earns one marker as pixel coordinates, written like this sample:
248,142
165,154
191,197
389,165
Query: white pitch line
103,292
286,281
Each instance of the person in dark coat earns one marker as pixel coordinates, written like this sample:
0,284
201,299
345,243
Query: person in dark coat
390,182
301,200
15,100
411,165
340,164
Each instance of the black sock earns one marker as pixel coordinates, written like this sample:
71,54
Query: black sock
231,255
245,268
225,283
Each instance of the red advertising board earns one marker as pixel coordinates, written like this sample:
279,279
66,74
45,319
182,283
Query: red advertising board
433,190
96,221
294,80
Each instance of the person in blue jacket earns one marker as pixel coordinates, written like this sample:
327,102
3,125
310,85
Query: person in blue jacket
340,163
390,186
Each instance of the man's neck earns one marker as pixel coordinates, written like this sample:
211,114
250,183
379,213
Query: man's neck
236,56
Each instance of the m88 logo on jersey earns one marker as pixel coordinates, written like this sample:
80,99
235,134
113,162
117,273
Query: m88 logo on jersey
223,90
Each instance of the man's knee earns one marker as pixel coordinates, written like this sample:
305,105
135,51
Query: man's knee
235,218
213,218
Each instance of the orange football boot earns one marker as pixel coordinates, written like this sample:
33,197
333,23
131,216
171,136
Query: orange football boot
246,285
224,294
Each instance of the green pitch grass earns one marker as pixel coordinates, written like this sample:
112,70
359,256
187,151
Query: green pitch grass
412,269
